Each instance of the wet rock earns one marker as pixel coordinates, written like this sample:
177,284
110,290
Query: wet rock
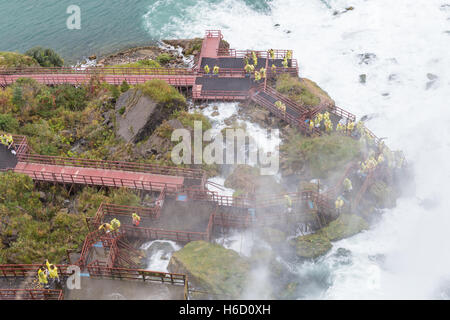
215,114
93,57
362,78
346,225
311,245
276,25
212,267
366,58
433,78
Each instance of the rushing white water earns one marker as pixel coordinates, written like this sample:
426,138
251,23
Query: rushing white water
407,94
159,253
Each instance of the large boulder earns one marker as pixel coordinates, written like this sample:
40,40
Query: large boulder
319,243
212,267
159,143
312,245
141,109
346,225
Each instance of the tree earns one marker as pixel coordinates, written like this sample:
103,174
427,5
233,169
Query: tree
45,57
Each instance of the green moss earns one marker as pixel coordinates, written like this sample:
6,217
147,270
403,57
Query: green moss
296,90
148,63
312,245
187,119
319,243
161,92
16,60
212,267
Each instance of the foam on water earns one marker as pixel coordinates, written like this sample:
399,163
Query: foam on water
159,259
406,94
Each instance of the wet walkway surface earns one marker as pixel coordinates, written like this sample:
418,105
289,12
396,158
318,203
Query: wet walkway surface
225,84
105,289
186,216
7,159
228,63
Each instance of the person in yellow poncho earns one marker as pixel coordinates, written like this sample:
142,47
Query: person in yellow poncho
206,68
42,276
136,219
115,225
339,203
52,273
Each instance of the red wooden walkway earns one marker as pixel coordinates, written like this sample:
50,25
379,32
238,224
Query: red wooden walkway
142,176
102,177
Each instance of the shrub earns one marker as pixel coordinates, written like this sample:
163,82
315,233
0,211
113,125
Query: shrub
45,57
321,155
70,97
124,87
16,60
8,123
164,58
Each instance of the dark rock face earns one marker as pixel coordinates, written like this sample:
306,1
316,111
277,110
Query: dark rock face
158,145
137,115
366,58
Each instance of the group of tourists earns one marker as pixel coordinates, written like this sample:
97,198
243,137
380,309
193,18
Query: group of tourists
215,69
114,224
325,117
48,275
280,105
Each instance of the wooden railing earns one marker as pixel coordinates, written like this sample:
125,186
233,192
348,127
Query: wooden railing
31,294
98,269
26,270
100,71
93,180
213,34
113,165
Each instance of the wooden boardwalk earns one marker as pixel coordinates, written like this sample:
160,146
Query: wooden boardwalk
102,177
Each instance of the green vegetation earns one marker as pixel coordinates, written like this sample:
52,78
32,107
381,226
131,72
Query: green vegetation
161,92
321,155
149,63
346,225
319,243
38,225
302,91
16,60
58,119
212,267
45,57
164,58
